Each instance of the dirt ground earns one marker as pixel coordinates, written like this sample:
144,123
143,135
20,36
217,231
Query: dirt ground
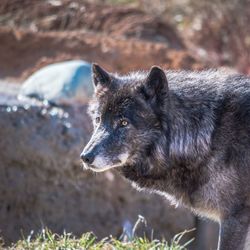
25,51
118,21
121,38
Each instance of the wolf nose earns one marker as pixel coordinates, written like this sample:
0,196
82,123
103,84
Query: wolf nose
87,158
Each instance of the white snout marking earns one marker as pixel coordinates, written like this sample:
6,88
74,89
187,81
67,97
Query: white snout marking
123,157
102,163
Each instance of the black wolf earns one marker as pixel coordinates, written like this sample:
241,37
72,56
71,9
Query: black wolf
184,135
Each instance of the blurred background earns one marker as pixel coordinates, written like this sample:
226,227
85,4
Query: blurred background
41,180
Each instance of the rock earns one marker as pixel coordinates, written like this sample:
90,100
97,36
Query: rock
42,183
60,83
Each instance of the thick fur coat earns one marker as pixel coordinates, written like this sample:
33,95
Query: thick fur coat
183,135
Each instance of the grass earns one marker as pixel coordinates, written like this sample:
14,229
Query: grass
47,240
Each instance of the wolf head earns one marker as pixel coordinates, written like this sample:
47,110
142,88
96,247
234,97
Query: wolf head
127,118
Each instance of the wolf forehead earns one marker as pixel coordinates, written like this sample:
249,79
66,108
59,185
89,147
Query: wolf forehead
120,97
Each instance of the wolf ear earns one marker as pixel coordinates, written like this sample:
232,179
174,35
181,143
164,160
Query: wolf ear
101,78
156,85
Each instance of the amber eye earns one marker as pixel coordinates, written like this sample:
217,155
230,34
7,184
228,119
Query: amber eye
97,119
124,123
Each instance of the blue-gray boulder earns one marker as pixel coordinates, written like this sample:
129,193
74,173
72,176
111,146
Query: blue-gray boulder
60,83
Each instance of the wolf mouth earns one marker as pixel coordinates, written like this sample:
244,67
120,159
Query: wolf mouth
98,170
94,168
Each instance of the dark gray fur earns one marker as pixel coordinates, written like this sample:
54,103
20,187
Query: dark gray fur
188,139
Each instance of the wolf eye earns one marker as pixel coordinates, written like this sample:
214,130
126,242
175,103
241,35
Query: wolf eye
97,119
123,123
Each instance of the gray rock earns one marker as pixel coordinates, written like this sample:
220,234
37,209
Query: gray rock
42,183
60,83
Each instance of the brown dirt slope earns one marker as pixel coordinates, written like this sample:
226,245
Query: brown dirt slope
61,15
22,52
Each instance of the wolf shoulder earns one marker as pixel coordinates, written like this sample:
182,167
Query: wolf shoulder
221,80
209,85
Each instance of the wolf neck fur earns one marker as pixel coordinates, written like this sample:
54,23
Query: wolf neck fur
183,146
